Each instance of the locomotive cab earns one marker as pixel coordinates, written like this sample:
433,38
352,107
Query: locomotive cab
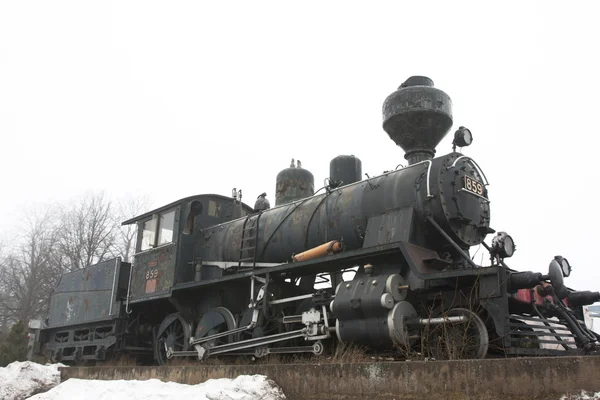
164,253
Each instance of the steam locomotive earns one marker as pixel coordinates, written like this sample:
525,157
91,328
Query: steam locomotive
384,263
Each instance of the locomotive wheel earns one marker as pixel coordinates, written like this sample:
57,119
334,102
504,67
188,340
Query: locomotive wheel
468,339
174,332
215,321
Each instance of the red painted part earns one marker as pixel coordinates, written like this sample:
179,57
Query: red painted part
524,296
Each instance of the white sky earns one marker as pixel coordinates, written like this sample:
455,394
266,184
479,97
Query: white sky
178,98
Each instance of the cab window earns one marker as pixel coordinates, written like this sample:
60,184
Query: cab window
148,234
158,230
166,224
214,208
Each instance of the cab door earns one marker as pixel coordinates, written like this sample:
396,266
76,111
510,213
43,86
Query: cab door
155,259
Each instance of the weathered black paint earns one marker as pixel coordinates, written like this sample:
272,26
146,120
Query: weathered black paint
344,170
417,116
292,184
344,213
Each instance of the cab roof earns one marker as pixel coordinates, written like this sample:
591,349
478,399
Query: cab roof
180,201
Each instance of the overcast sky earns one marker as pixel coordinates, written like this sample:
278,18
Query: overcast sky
172,99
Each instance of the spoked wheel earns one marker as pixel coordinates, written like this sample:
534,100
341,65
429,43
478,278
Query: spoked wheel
215,321
467,339
173,335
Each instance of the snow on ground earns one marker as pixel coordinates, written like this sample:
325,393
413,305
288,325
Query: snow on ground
244,387
18,380
583,396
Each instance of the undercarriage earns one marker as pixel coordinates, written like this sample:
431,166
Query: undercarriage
384,315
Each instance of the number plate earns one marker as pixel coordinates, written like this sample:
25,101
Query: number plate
473,186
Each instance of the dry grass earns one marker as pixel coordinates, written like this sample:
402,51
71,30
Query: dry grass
125,360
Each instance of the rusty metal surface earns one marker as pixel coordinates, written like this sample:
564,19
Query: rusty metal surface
393,226
157,270
341,214
417,116
153,272
224,201
86,295
292,184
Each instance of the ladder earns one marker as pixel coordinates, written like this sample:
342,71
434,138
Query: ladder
249,240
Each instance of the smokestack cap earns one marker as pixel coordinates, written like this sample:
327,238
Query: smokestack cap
417,116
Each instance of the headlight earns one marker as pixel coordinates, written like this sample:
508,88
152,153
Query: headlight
462,137
503,245
564,265
556,278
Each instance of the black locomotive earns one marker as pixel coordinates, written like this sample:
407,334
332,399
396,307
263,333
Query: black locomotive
383,262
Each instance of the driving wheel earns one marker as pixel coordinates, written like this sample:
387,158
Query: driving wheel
216,320
173,335
467,339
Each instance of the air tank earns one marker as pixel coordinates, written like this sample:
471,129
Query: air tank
345,169
293,183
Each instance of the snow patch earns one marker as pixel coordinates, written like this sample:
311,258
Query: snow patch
244,387
583,396
18,380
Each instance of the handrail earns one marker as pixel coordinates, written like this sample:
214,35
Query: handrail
112,293
429,195
487,182
127,310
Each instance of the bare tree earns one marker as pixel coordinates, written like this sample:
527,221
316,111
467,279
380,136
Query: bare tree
127,208
3,292
56,241
28,275
87,233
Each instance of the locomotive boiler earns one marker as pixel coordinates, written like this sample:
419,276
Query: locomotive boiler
383,262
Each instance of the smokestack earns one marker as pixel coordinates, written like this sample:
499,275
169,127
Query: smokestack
417,116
